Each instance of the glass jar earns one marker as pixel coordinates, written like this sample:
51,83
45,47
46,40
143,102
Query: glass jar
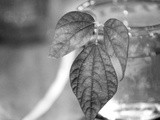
138,95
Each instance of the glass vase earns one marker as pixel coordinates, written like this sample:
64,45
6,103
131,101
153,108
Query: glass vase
138,94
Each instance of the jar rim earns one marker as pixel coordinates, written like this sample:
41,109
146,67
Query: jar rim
94,3
98,2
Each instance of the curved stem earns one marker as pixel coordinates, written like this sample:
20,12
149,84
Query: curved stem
54,91
102,2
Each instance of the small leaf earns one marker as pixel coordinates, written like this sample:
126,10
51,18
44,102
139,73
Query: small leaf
93,79
117,34
73,30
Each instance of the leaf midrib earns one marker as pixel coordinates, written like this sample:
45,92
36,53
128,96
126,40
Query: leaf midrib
104,69
68,40
58,27
114,47
92,73
81,70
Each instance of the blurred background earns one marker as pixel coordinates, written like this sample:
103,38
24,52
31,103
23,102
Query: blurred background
26,71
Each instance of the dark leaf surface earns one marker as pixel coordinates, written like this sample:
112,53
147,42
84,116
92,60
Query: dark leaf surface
116,34
93,79
98,117
73,30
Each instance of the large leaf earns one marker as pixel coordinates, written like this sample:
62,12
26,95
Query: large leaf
73,30
98,117
93,79
116,36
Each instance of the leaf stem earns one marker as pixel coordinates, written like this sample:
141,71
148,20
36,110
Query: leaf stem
97,29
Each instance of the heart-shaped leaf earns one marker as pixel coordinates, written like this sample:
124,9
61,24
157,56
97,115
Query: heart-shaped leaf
93,79
73,30
116,36
98,117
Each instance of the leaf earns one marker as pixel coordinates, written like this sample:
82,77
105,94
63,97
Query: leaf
98,117
117,34
72,31
93,79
